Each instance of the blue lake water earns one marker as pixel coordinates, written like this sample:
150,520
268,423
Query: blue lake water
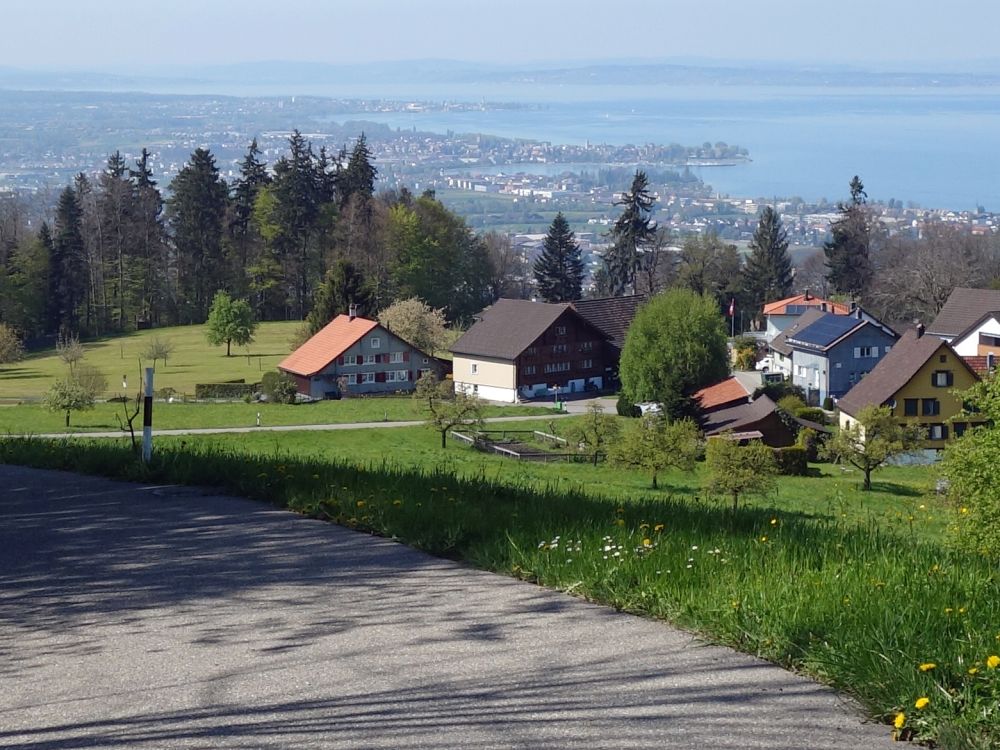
937,147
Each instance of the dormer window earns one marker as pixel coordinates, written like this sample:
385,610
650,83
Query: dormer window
376,342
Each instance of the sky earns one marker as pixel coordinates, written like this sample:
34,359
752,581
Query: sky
125,34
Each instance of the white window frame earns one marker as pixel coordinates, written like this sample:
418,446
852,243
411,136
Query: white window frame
396,358
369,359
473,368
936,432
586,364
376,342
352,378
366,377
560,330
940,378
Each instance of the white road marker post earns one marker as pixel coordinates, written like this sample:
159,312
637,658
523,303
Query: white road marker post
147,417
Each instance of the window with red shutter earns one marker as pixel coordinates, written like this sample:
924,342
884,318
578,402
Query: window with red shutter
340,361
360,360
406,356
379,377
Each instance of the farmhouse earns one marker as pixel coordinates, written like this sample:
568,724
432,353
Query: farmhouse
359,355
917,379
523,349
782,313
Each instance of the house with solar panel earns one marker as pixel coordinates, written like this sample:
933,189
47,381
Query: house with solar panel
352,355
834,352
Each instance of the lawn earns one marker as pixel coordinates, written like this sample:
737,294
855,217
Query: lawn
860,590
26,419
192,361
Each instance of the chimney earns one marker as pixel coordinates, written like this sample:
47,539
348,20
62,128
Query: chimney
822,306
352,311
920,330
857,312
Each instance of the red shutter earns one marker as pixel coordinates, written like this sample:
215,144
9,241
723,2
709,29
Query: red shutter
406,356
379,377
409,374
340,361
360,360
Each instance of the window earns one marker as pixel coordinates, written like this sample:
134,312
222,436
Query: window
586,364
366,377
931,407
888,348
559,349
937,432
942,378
837,366
529,370
397,376
864,352
425,361
960,428
474,368
910,407
369,359
557,367
943,358
586,346
376,342
352,379
531,351
560,330
396,358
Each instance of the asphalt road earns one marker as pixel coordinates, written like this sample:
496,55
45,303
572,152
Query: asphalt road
163,617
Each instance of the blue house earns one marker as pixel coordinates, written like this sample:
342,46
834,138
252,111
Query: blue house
834,352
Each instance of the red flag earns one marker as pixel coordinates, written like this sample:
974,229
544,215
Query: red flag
732,307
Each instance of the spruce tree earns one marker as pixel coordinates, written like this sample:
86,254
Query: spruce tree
559,269
768,270
848,251
342,286
67,266
358,178
631,233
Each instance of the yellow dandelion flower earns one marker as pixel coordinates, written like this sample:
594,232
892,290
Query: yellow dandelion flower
361,503
948,610
658,528
763,538
900,721
963,510
647,543
927,666
774,521
922,702
993,662
973,670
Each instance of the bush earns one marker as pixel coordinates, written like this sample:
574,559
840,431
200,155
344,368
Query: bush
812,414
791,404
625,407
777,391
828,403
279,387
224,390
792,461
811,442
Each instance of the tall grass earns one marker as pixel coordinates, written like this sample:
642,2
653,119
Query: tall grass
853,605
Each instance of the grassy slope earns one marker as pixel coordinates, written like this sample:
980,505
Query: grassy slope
193,361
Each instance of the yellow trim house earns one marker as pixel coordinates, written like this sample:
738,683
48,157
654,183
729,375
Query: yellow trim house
918,379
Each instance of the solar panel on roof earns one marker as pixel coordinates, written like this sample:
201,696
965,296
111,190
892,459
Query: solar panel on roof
826,330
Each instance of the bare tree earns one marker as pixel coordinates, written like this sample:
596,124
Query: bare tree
70,350
811,275
657,264
510,276
158,348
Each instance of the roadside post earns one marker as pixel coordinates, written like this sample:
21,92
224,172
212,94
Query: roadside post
147,417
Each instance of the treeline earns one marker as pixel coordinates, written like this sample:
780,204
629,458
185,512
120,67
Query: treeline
121,253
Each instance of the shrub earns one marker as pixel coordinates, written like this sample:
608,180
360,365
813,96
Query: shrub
812,414
279,387
792,461
625,407
791,404
224,390
777,391
828,403
811,442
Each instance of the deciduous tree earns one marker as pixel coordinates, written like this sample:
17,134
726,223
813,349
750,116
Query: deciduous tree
654,444
872,440
446,408
675,345
737,470
229,321
10,345
595,431
416,322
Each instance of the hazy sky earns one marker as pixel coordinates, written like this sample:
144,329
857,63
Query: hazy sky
102,33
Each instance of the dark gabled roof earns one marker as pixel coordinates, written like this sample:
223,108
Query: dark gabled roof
737,417
780,342
510,326
895,370
963,308
612,315
825,331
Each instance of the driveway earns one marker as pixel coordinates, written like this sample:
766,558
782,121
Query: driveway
138,616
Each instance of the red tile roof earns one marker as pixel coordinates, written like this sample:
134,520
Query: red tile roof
336,337
724,392
780,307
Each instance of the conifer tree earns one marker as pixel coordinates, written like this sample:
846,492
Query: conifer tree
848,252
342,286
67,266
358,178
559,269
631,233
768,270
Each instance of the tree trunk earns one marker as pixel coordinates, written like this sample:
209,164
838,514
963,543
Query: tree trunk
654,482
229,343
444,438
736,499
868,480
67,417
